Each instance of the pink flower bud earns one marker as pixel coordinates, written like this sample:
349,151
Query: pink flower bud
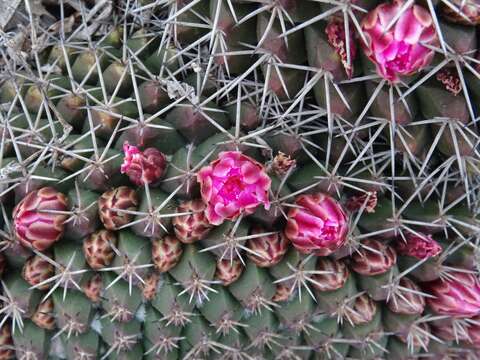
374,258
417,246
400,50
363,310
166,253
449,78
335,274
282,293
282,163
113,207
457,296
37,220
468,12
317,224
408,300
231,185
228,271
335,31
145,167
268,250
368,201
191,227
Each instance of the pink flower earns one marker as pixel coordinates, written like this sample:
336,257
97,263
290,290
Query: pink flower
417,246
233,184
457,296
317,224
401,50
143,167
39,218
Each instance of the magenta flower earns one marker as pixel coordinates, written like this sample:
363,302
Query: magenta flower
145,167
457,296
231,185
417,246
317,224
39,218
399,51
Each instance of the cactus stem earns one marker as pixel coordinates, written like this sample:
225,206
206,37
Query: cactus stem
165,345
11,309
198,288
65,276
301,278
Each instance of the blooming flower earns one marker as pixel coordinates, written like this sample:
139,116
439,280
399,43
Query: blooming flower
417,246
38,220
457,296
231,185
143,167
400,50
317,224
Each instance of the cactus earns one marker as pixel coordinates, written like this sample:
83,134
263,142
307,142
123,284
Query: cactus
232,179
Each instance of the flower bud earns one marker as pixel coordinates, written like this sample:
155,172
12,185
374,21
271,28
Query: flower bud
38,220
192,227
166,253
228,270
267,250
113,207
459,295
143,167
373,258
316,224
